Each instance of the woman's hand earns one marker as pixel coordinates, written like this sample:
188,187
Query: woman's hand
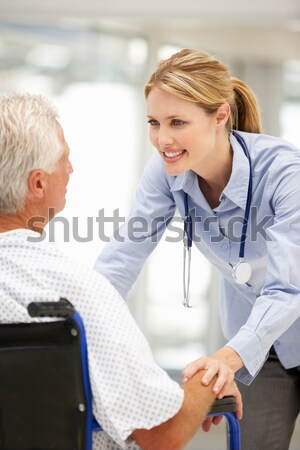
213,366
222,364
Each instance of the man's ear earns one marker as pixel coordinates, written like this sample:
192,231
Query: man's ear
223,114
37,183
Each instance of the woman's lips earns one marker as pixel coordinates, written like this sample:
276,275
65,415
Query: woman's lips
173,157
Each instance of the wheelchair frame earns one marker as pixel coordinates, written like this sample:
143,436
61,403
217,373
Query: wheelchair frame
63,309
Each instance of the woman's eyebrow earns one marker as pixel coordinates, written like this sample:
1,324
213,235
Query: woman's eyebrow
174,116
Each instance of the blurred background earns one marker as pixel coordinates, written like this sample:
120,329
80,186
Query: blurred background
92,58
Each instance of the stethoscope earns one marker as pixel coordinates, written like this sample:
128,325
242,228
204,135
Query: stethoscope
242,271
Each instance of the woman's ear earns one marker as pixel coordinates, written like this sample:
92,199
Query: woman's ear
37,183
223,114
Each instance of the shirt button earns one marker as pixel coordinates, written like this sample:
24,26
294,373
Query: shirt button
225,247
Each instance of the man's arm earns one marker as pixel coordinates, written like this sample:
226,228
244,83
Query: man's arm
177,431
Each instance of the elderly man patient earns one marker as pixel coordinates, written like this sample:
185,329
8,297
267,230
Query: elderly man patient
135,401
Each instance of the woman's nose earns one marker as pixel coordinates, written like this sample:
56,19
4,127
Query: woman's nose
165,138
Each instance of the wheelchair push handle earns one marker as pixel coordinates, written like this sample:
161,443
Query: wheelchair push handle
223,405
63,308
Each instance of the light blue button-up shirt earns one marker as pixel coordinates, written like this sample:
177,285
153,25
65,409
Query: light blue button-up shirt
266,310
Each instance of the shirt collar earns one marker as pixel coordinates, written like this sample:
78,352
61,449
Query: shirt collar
184,181
188,182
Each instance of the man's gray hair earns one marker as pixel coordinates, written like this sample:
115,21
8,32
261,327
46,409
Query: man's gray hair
28,141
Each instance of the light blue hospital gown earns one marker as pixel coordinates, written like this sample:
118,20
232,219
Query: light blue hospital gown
129,390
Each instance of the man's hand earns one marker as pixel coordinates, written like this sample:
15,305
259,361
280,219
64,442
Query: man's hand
209,420
222,364
234,391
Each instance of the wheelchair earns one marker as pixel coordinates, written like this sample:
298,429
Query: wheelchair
45,393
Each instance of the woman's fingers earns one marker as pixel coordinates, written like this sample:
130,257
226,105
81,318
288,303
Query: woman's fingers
224,375
214,367
223,383
193,367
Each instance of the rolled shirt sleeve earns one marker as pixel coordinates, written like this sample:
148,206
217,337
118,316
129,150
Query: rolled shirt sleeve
278,306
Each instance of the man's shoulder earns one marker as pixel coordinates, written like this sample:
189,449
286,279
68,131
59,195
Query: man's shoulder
51,267
78,277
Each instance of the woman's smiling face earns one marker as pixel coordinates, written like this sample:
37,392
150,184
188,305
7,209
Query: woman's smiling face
183,133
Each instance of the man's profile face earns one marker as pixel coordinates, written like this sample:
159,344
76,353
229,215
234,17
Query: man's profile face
58,180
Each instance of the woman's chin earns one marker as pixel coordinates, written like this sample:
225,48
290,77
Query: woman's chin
173,171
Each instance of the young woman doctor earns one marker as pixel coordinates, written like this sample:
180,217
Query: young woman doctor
239,192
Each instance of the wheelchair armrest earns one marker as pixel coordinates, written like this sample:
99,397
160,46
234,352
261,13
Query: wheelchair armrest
63,308
223,405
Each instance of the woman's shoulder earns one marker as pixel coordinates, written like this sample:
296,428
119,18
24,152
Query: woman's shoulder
257,143
267,152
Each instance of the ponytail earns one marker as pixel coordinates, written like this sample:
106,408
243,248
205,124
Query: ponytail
245,114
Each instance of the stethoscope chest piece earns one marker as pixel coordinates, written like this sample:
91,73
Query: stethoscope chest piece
242,272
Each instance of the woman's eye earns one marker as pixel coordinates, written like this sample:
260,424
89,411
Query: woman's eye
177,122
153,123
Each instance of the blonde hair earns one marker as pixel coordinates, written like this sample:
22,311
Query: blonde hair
28,140
200,78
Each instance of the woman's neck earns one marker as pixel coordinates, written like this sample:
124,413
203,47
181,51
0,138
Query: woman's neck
214,177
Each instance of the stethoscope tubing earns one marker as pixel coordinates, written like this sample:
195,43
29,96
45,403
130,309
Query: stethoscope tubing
249,195
188,224
242,270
